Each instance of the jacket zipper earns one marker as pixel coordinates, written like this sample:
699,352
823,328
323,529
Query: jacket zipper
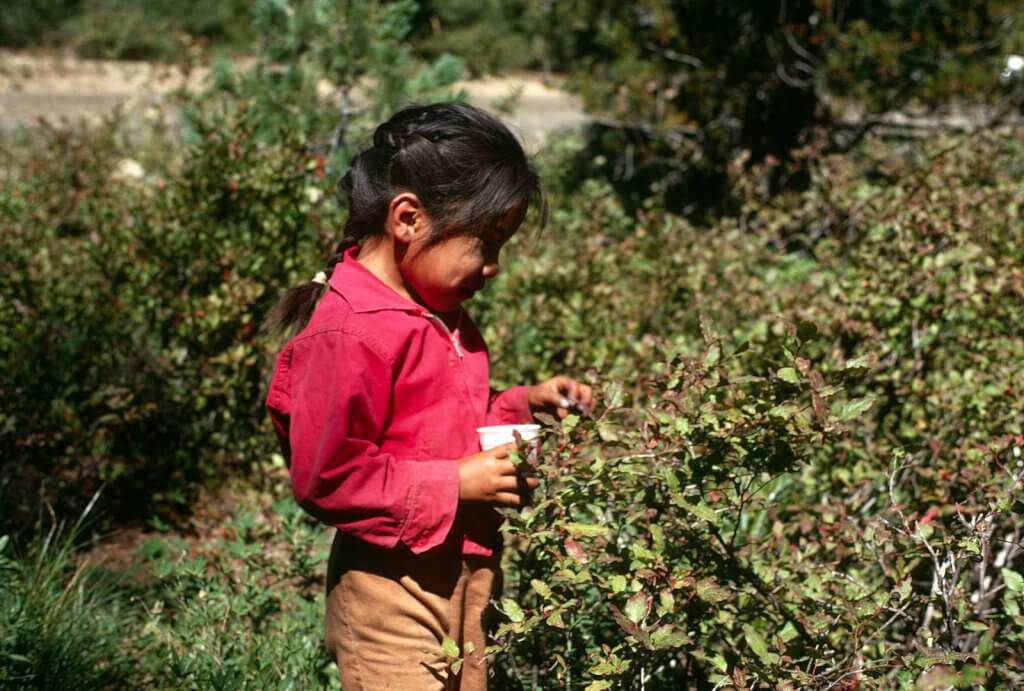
451,336
458,351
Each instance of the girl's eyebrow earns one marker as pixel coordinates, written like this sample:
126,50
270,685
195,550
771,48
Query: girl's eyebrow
505,232
497,234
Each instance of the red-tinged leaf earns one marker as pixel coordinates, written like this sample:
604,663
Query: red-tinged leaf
629,627
575,550
818,404
623,621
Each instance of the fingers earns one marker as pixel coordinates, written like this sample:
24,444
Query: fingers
502,451
517,483
520,495
585,397
506,471
508,499
573,396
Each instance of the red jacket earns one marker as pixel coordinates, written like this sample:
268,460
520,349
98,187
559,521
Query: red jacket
374,402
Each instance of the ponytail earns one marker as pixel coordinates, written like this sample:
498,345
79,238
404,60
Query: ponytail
295,308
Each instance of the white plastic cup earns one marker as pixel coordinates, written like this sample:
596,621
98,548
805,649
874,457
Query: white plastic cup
496,435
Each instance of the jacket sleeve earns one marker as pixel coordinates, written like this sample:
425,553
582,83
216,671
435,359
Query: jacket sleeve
509,407
330,396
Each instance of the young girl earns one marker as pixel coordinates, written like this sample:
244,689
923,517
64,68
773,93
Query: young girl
377,399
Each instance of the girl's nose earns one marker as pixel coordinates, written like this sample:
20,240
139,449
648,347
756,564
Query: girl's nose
491,269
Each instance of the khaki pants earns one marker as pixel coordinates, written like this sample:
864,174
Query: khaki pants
388,612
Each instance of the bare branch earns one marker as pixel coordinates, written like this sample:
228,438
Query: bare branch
675,56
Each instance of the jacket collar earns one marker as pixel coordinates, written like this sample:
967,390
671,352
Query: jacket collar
364,291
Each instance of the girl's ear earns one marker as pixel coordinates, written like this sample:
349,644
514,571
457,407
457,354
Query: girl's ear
407,220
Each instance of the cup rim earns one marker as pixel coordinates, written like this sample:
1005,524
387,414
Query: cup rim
498,429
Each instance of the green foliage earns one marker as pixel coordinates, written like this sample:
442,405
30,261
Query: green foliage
241,611
714,524
491,37
682,87
33,22
131,310
60,622
650,541
332,69
238,611
126,29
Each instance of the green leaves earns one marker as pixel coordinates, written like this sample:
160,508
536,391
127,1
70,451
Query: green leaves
512,610
450,648
711,592
637,607
542,588
702,511
759,646
712,355
855,408
1013,580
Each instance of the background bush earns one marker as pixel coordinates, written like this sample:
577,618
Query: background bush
795,514
683,87
132,312
126,29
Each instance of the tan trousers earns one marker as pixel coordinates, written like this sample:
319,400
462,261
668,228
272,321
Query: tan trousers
389,611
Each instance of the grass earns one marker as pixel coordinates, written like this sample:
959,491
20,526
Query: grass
238,608
60,621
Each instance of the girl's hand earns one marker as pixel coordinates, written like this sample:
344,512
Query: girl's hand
561,396
490,477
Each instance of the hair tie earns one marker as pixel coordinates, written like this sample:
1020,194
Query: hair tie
320,278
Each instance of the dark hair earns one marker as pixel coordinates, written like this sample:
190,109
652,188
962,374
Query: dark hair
468,170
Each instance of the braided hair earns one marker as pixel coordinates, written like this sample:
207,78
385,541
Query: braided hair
467,169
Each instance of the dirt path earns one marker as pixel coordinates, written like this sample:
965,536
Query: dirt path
59,87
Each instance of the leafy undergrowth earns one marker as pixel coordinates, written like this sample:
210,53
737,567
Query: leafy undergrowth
59,622
234,606
807,471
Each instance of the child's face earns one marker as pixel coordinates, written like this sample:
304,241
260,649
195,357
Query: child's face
446,274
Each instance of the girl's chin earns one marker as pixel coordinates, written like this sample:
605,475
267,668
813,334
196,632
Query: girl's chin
449,303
